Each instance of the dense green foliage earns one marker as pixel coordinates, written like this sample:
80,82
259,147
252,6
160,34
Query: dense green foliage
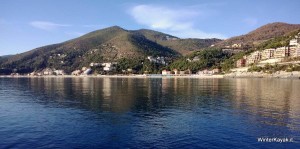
149,47
139,65
107,45
274,68
277,41
182,46
209,58
230,62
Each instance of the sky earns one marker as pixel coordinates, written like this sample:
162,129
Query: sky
28,24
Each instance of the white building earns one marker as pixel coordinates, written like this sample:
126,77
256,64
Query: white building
159,60
166,72
205,72
59,72
108,66
95,64
294,51
236,45
47,71
76,72
176,72
87,71
296,41
196,58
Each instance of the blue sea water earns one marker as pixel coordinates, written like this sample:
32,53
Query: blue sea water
148,113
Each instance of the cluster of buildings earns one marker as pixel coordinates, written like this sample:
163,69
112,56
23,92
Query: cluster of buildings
82,72
234,46
158,60
209,72
293,50
47,72
176,72
106,66
188,72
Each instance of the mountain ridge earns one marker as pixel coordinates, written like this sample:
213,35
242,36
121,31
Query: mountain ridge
115,43
105,45
261,34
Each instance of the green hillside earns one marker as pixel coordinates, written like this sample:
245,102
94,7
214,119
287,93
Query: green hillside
261,34
130,48
106,45
183,46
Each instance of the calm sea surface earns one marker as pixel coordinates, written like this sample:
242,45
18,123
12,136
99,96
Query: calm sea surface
148,113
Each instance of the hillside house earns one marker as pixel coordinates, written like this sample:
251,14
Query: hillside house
176,72
267,54
281,52
84,68
59,72
76,72
294,51
204,72
216,71
33,73
241,63
166,72
88,71
95,64
47,71
159,60
188,71
296,41
171,38
253,58
209,72
108,66
196,58
181,72
236,45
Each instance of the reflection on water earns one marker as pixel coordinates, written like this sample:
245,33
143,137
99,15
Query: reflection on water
121,94
151,112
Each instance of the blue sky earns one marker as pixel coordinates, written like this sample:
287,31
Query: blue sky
25,25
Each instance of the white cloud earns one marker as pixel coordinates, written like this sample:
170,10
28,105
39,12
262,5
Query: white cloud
180,22
195,33
161,17
44,25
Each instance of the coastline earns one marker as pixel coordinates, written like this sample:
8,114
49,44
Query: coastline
279,75
119,76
